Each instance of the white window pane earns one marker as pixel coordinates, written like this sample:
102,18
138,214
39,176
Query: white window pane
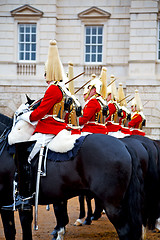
88,31
88,40
99,30
99,49
87,49
93,57
21,29
94,31
34,29
87,58
21,38
33,38
93,39
27,38
93,49
27,55
100,39
21,46
33,56
27,47
99,58
21,56
33,47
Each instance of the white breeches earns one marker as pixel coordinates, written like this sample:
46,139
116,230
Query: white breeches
39,137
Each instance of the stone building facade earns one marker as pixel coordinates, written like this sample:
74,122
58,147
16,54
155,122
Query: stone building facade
122,35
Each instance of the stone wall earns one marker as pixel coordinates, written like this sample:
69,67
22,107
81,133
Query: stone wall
130,48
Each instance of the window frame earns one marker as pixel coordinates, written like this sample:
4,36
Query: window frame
27,42
91,44
158,41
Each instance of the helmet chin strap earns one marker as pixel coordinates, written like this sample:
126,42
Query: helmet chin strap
94,93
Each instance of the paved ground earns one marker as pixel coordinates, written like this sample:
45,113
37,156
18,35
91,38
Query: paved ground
98,230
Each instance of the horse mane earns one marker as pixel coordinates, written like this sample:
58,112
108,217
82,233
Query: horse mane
5,122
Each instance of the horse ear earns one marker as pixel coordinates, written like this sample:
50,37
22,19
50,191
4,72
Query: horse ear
29,101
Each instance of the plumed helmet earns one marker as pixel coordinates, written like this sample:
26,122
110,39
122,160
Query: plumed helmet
103,78
137,101
70,76
86,88
54,65
45,67
121,95
112,88
97,84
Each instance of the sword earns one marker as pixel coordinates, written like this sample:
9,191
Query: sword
124,98
37,183
74,78
82,86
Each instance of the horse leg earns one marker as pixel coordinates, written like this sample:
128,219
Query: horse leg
79,221
26,218
98,210
8,224
61,233
88,220
60,210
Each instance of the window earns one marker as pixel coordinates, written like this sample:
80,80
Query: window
93,44
27,42
158,40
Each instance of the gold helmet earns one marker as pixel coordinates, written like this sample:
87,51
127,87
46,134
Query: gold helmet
70,76
121,96
111,89
103,78
86,88
53,65
137,101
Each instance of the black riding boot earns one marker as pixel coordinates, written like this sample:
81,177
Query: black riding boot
24,199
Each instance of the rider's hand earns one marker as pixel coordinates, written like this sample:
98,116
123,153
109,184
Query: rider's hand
24,116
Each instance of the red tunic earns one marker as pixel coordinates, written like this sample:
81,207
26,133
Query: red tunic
48,125
136,120
121,118
112,110
89,118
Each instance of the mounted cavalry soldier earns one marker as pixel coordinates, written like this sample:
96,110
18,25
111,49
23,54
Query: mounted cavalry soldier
124,112
92,119
112,121
48,118
137,118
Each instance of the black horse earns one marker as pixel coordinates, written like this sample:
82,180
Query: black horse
105,168
7,172
148,154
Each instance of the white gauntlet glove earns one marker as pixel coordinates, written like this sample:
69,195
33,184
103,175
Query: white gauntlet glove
26,117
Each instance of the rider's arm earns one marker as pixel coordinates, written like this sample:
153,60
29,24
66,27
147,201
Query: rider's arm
136,120
89,111
52,96
112,110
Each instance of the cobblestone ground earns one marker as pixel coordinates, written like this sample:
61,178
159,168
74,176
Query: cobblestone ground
99,230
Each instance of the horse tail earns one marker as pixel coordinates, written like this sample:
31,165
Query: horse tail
133,203
151,190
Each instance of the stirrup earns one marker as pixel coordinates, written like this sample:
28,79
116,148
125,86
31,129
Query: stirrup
42,174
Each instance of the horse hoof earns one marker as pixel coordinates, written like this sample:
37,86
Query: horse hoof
78,222
61,233
87,222
94,218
